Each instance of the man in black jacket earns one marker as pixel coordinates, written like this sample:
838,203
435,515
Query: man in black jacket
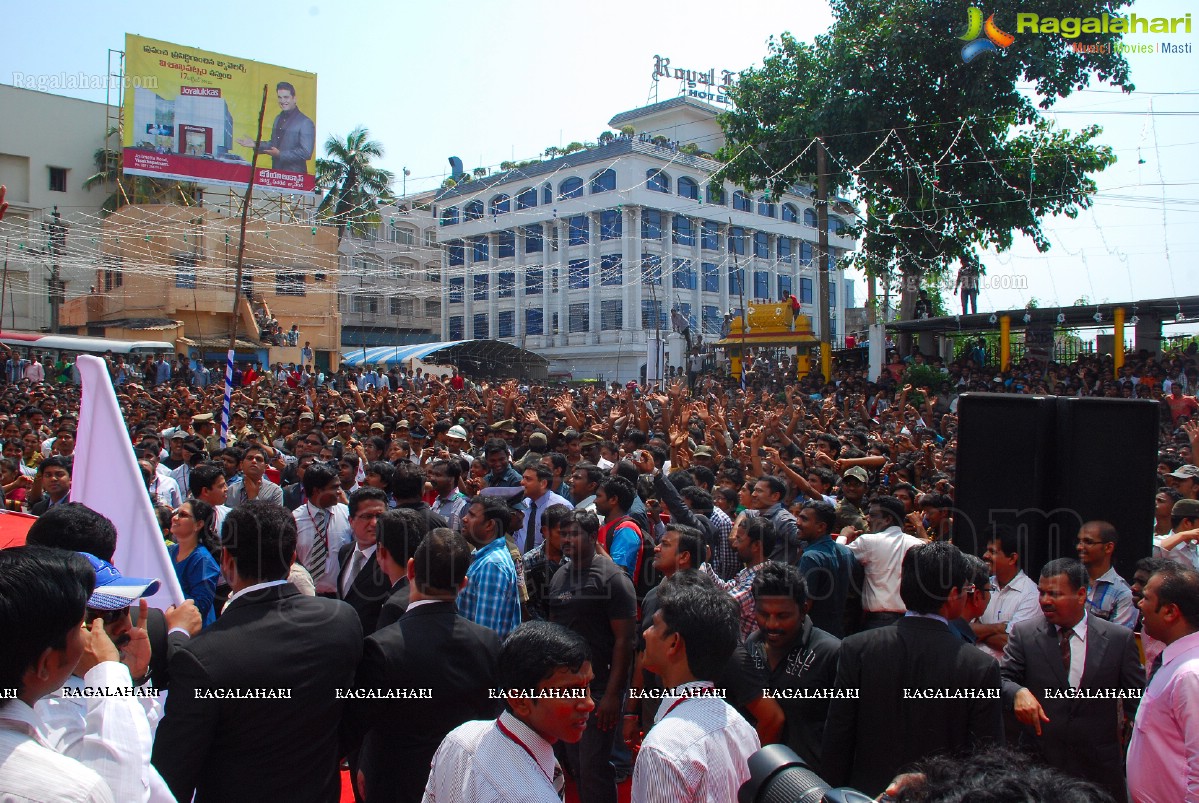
254,706
917,688
360,580
437,667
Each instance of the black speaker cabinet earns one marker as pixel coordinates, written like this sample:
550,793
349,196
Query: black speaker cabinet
1046,464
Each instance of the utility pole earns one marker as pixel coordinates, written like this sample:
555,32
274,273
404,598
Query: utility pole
826,355
58,247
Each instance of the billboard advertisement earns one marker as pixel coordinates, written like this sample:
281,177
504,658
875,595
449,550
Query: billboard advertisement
192,115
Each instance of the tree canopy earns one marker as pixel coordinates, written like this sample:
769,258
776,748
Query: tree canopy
354,188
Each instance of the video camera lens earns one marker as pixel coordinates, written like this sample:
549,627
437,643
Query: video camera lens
778,775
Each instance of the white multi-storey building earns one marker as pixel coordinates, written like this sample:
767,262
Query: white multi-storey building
580,258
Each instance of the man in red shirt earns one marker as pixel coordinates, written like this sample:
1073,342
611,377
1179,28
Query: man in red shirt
1180,405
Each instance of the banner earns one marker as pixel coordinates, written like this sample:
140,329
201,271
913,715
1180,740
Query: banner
192,115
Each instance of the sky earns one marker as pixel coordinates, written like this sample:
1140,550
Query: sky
490,82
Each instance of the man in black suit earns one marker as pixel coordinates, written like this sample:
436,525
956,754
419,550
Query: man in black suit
1050,661
920,689
400,532
446,664
360,579
225,735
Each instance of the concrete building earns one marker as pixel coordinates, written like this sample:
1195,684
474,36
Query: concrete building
582,257
389,291
47,150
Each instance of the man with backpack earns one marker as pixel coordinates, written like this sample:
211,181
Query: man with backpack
624,541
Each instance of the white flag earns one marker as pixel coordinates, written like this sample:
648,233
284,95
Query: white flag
106,478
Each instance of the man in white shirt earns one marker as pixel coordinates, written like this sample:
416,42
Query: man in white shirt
42,602
699,747
34,371
1015,598
881,553
544,673
322,527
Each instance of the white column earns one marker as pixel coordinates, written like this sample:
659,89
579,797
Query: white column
723,260
772,246
468,291
518,299
493,277
697,270
547,299
563,297
593,277
631,259
667,295
445,295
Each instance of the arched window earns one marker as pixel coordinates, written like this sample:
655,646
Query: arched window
809,217
604,181
526,198
790,213
836,226
547,194
570,188
715,194
766,208
688,188
657,181
474,210
501,205
742,202
449,216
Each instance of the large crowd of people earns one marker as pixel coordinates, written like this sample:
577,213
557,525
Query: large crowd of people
460,589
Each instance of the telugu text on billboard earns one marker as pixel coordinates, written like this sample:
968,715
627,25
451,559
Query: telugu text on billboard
192,115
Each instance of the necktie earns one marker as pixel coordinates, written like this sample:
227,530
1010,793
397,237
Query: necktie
1063,643
1157,664
352,574
530,528
320,546
559,781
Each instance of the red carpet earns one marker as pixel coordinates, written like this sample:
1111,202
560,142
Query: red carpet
625,789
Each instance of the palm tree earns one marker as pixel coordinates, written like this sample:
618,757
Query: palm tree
132,189
354,188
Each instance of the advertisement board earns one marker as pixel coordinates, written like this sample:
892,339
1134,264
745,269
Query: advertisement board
192,115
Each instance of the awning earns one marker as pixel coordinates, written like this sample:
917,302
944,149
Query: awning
489,357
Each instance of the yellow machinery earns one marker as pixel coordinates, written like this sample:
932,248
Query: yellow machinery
774,325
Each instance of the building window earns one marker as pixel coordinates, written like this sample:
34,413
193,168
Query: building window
809,217
805,252
766,208
432,273
185,272
711,320
836,226
742,202
832,259
474,210
580,317
456,327
685,310
501,205
480,331
688,188
805,290
401,307
715,194
709,235
683,277
505,244
364,304
611,270
430,238
611,227
478,247
790,213
449,216
534,321
401,235
547,194
479,285
737,240
651,269
784,250
457,289
762,244
761,284
505,324
505,284
527,199
736,282
832,294
653,314
570,188
784,286
534,239
578,274
432,308
611,314
58,179
684,230
534,281
114,276
651,224
400,269
604,181
289,283
711,277
456,252
657,181
578,227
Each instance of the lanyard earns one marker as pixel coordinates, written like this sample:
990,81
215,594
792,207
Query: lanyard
504,730
673,706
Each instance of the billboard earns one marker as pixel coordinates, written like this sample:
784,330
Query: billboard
192,115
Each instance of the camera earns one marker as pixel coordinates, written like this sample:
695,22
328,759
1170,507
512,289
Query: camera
778,775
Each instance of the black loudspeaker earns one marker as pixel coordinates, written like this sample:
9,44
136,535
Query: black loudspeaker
1046,464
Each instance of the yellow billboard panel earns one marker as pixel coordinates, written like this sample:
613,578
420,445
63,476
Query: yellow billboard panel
192,115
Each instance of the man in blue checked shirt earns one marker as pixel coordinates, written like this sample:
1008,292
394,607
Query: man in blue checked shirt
491,597
1108,596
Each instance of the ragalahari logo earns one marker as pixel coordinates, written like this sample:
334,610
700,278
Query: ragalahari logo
995,39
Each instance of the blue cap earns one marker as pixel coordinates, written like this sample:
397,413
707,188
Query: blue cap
113,590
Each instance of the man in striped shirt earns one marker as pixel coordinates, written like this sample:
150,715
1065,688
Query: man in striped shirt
754,538
491,597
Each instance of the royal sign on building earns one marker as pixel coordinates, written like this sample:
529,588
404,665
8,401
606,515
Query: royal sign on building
192,115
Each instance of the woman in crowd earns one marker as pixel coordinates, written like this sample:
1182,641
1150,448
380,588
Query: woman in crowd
193,555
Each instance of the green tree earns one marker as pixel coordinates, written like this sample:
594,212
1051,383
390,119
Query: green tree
946,157
354,188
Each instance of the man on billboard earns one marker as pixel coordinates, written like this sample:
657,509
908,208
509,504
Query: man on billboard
293,134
